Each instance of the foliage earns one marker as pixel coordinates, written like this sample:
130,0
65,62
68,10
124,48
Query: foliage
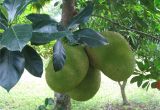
138,21
148,62
48,105
14,39
50,30
16,54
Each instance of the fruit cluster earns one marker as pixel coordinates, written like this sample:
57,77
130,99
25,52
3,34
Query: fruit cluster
80,77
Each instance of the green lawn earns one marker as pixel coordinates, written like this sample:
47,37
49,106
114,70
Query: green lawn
30,92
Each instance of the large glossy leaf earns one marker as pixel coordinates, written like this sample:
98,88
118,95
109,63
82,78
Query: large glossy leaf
4,12
89,37
40,18
43,28
11,68
83,16
43,38
33,62
49,28
15,7
41,35
58,56
3,21
16,37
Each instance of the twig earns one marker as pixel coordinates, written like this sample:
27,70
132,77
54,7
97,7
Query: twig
134,30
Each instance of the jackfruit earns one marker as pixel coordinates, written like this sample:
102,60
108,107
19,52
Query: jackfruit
88,87
115,60
73,72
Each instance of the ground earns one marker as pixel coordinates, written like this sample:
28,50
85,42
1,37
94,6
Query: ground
30,92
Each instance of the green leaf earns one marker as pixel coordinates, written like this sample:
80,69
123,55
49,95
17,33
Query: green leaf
15,7
59,56
33,62
141,66
11,7
139,82
24,4
3,21
46,102
56,3
83,16
134,79
49,101
43,38
90,38
41,107
16,37
145,84
42,35
71,40
4,11
42,18
49,28
11,68
43,28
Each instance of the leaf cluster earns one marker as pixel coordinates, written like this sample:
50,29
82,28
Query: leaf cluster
148,69
15,52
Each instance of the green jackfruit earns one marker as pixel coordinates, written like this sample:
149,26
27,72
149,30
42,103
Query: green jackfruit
115,60
73,72
88,87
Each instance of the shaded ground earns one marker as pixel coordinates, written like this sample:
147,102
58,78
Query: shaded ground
132,106
30,92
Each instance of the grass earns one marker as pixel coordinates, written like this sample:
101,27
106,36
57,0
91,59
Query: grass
30,92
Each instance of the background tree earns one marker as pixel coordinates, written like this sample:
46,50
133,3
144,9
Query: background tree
137,20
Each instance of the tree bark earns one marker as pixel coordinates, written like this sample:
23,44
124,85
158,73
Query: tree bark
68,9
62,100
123,93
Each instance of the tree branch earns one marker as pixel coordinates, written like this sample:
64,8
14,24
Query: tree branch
156,38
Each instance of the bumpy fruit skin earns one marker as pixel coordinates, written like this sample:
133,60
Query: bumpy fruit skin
115,60
73,72
88,87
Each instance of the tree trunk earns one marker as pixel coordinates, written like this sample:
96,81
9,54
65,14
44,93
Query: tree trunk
123,93
67,11
62,100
